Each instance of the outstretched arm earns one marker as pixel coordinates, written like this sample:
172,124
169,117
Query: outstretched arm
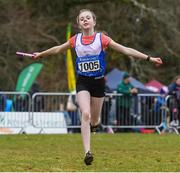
52,51
132,52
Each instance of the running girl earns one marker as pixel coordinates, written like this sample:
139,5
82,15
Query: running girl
90,49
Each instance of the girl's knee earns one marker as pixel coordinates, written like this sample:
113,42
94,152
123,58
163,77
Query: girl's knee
86,116
95,121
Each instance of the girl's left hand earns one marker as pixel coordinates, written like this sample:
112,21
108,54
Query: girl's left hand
157,61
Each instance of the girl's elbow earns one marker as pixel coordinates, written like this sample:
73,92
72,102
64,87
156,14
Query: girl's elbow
124,50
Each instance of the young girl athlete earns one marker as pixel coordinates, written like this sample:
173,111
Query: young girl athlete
90,68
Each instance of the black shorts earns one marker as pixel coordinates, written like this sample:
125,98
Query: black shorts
94,85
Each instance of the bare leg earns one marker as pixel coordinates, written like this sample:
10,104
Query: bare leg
96,107
83,98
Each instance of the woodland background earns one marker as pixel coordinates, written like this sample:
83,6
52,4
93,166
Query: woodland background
150,26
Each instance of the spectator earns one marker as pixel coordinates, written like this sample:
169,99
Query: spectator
174,90
124,101
39,100
2,101
20,103
160,100
161,111
72,110
106,106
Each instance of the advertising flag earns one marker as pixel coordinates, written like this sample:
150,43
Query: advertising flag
27,77
70,67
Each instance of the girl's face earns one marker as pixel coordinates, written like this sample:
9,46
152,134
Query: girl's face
86,21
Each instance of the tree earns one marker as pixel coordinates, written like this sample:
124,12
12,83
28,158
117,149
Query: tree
151,26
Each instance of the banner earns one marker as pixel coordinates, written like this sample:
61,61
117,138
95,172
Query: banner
70,67
28,76
43,122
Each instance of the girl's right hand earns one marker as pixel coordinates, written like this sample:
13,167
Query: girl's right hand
37,55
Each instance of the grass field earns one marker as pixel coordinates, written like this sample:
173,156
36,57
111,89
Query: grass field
118,152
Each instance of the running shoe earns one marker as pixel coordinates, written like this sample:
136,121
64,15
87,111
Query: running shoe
94,128
88,158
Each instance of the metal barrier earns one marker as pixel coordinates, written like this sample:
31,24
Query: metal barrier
60,110
173,105
55,110
136,112
14,109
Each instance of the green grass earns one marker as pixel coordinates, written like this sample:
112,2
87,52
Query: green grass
118,152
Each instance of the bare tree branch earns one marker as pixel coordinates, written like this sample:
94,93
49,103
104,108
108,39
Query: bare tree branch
50,37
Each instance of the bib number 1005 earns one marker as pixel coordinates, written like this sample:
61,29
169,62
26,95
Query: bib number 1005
89,66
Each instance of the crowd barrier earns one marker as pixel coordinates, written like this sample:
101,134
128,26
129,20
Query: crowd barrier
173,116
60,110
138,112
14,110
60,103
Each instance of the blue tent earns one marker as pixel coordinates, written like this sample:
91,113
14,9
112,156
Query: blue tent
114,77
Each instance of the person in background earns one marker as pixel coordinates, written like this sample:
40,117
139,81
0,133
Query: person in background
174,90
105,113
161,111
39,100
2,101
20,103
124,101
73,113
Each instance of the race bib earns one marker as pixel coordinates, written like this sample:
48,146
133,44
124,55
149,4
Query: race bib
89,66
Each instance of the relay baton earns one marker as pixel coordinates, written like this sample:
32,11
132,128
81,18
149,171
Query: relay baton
25,54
